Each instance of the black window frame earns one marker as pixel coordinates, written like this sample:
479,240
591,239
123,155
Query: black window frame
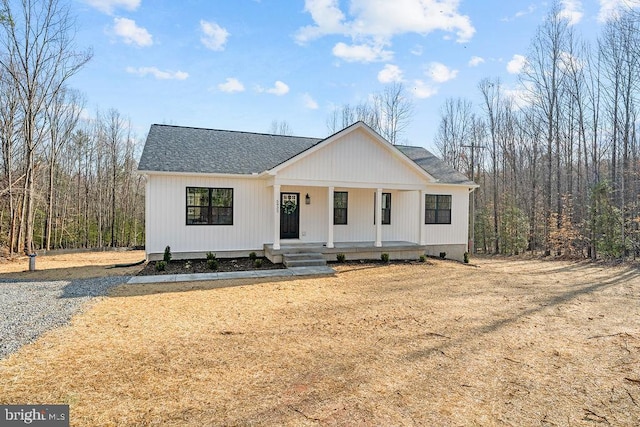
386,212
441,214
340,213
215,215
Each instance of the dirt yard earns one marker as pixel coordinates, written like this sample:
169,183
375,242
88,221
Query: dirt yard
501,342
72,266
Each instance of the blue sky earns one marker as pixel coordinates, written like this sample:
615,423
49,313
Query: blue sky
240,64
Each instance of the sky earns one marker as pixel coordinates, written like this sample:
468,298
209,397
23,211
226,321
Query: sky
241,64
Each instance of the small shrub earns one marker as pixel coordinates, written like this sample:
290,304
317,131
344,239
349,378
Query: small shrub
341,257
253,256
212,264
466,258
161,265
423,258
187,265
384,257
443,255
210,256
257,263
167,255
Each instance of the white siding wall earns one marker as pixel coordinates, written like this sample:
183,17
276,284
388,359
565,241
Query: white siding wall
458,231
253,216
166,216
405,219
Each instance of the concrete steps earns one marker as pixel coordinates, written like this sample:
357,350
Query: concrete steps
303,259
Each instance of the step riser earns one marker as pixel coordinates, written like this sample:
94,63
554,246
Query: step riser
305,263
303,259
303,256
302,250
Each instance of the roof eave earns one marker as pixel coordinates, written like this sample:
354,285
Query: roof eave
253,175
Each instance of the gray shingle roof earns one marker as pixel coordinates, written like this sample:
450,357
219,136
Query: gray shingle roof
434,166
187,149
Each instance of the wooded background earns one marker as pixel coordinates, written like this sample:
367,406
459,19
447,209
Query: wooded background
68,181
557,161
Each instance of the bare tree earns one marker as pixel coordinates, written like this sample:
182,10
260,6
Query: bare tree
544,77
9,134
280,128
395,111
491,92
62,117
388,113
39,56
455,130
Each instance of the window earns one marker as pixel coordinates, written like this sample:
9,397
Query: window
209,206
437,209
340,203
386,208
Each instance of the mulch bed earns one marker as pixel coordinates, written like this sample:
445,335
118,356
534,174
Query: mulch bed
245,264
184,266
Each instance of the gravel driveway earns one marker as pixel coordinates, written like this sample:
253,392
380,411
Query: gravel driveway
28,309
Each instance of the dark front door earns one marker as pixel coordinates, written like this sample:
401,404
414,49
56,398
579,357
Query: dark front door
289,215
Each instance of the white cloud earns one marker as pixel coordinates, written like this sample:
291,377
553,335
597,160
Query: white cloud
389,74
569,62
529,10
475,61
309,102
158,74
517,64
279,89
327,16
422,90
214,36
417,50
231,85
571,11
131,33
520,96
440,73
380,21
361,53
611,8
108,6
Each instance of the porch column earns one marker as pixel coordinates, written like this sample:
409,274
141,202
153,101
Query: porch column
330,218
422,237
378,214
276,217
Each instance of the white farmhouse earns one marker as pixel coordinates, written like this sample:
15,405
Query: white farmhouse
233,193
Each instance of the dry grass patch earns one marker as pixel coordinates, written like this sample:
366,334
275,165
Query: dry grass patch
72,266
513,343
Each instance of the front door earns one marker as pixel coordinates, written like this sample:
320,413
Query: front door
289,215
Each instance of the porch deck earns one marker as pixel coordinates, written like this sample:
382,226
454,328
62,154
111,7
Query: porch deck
352,250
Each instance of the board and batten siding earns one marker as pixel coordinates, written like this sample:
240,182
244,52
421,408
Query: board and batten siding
457,232
357,160
166,215
360,225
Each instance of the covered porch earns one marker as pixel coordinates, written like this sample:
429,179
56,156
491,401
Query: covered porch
352,250
369,216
